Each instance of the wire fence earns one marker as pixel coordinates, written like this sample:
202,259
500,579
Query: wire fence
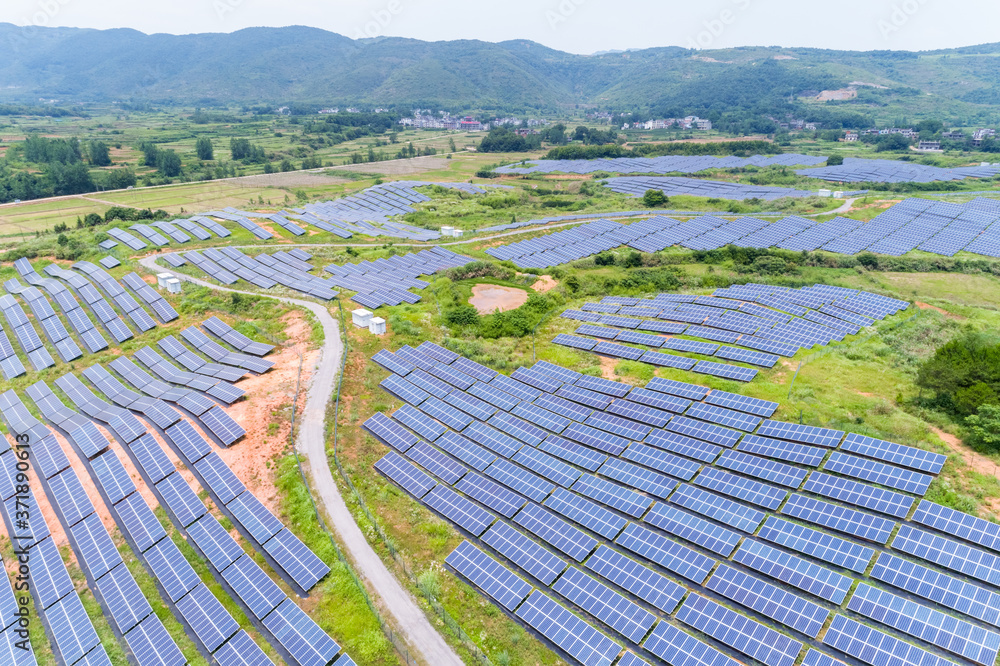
854,343
386,540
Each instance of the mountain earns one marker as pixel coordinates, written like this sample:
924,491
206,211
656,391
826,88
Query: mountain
301,64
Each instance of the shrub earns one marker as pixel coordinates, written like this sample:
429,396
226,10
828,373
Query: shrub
983,428
655,199
964,373
462,315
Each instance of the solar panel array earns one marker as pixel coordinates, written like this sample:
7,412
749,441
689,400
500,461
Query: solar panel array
760,322
370,211
163,310
637,186
932,226
296,636
858,170
25,333
376,283
625,533
67,303
658,165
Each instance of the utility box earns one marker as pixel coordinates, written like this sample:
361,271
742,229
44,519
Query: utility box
457,233
825,193
161,279
174,285
447,231
362,318
838,194
377,326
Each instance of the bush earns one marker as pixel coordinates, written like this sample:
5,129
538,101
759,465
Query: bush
605,259
964,373
462,315
654,199
834,160
480,269
983,428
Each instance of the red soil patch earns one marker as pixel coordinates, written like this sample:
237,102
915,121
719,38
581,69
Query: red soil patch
488,298
544,283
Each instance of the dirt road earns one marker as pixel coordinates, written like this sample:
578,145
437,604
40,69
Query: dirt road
395,602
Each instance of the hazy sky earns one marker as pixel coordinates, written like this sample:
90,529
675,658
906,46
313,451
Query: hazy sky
579,26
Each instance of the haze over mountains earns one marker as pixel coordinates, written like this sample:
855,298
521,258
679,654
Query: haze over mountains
265,65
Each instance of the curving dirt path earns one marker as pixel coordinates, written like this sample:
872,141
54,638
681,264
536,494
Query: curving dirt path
395,601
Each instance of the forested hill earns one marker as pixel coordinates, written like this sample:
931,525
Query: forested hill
265,65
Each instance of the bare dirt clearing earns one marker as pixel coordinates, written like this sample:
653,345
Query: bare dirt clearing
488,298
544,283
265,412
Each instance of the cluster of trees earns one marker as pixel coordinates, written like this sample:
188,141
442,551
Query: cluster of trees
244,151
596,137
964,375
582,152
166,161
119,213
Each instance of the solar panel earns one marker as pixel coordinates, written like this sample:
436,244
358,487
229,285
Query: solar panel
49,578
739,632
405,474
172,571
755,406
685,446
768,600
596,439
72,631
490,494
949,554
98,551
555,531
761,468
959,595
210,621
495,580
520,480
151,644
678,648
793,570
718,508
692,528
875,647
464,513
610,494
657,459
741,488
828,548
801,433
250,513
123,597
944,631
240,650
839,518
568,632
584,512
897,454
859,494
706,431
298,633
260,594
773,448
183,503
636,477
539,562
880,473
962,525
389,432
624,616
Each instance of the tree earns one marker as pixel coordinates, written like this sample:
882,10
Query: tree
451,146
655,199
99,154
203,147
964,373
632,260
150,153
462,315
983,428
834,160
169,163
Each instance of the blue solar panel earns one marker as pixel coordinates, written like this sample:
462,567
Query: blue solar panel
839,518
880,473
571,634
801,433
520,480
768,600
639,478
680,389
734,514
596,439
662,461
739,632
859,494
555,531
795,571
461,511
705,431
817,544
949,554
648,585
539,562
667,553
875,647
773,448
572,452
897,454
624,616
610,494
685,446
692,528
549,467
761,468
498,582
404,473
582,511
741,488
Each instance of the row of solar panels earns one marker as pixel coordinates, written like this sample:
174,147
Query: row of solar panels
637,186
658,165
935,227
859,170
733,584
212,624
376,283
770,332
